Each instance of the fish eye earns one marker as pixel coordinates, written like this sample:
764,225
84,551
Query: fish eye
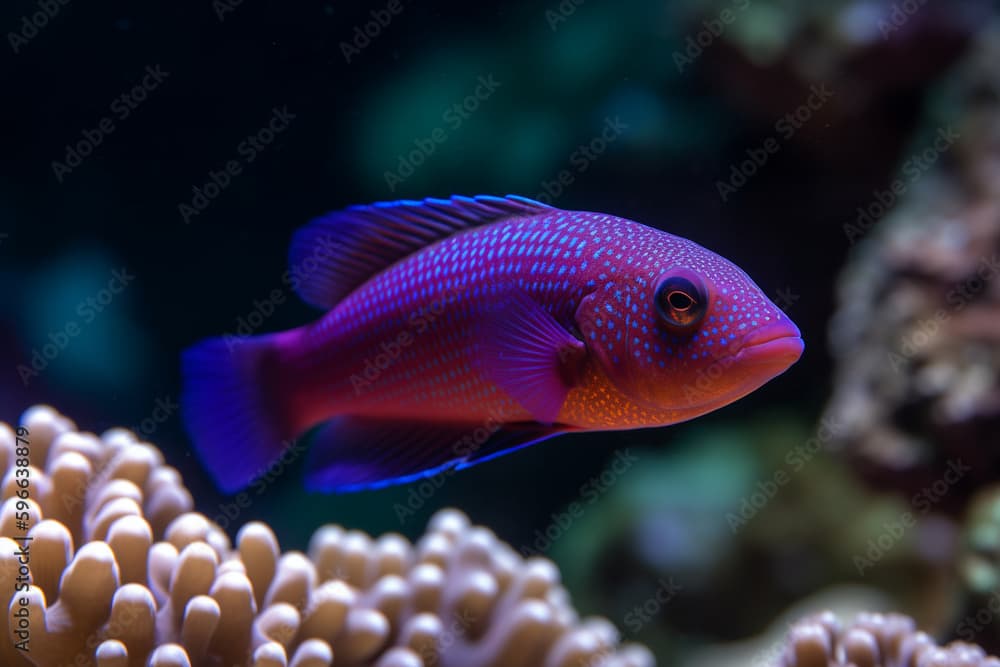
681,301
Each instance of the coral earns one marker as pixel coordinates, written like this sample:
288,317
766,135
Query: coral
860,50
124,573
873,640
917,387
765,649
755,512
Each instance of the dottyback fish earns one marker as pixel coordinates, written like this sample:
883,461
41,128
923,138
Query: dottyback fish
461,329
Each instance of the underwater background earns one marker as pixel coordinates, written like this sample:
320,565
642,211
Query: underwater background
156,160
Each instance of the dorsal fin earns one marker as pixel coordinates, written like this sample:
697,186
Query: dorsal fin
332,255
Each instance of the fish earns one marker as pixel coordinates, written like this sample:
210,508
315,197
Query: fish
458,330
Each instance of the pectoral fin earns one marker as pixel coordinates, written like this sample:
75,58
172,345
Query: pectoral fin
531,356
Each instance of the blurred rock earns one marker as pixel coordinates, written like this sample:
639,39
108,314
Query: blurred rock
876,55
761,513
764,650
916,334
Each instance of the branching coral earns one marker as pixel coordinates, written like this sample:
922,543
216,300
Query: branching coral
874,640
123,573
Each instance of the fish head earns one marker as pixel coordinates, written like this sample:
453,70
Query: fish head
686,332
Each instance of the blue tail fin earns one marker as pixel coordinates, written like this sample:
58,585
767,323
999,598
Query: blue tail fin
230,408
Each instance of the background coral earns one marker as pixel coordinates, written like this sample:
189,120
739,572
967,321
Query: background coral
874,640
124,573
750,513
917,385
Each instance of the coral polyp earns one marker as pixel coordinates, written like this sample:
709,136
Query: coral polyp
122,572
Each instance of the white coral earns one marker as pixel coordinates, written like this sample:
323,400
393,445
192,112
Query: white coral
874,640
124,573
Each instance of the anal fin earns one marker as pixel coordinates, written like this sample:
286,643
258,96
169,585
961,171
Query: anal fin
352,453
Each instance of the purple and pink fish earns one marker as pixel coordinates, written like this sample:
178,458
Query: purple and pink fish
460,329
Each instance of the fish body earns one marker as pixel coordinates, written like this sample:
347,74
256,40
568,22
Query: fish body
461,329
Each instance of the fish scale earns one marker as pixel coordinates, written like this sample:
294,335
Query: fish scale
436,374
448,314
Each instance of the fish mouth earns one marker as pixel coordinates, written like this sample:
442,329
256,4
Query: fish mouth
779,345
763,355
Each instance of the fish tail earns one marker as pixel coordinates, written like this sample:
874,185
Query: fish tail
231,407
